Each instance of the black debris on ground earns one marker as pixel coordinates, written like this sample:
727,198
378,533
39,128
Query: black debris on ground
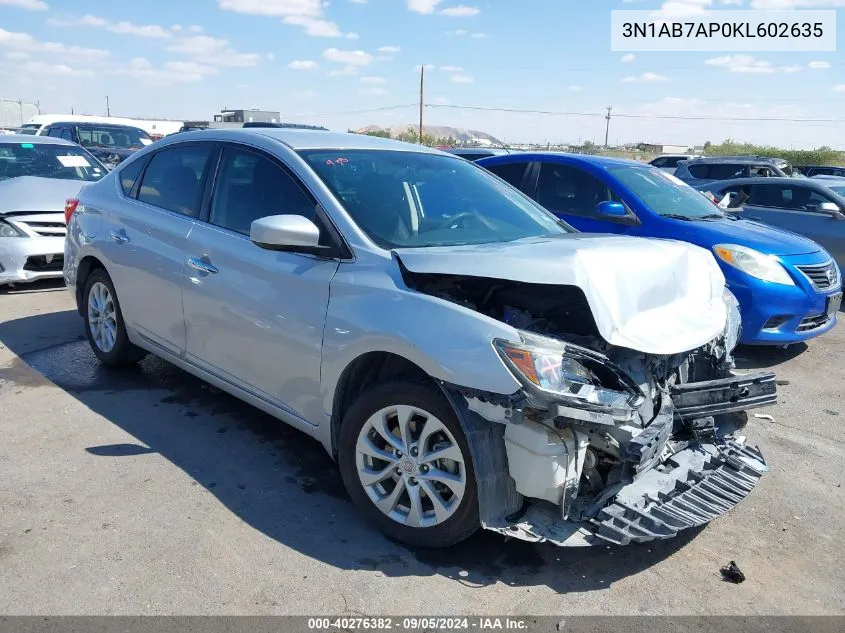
732,573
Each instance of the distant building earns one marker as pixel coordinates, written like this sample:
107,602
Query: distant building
663,148
14,113
247,116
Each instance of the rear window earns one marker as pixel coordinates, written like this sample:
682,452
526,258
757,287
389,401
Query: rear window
717,171
120,137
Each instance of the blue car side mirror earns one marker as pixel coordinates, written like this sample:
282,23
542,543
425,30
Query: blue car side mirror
612,209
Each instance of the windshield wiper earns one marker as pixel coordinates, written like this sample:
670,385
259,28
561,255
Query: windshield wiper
677,216
712,216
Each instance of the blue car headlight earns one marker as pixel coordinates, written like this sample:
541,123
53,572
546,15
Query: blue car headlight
754,263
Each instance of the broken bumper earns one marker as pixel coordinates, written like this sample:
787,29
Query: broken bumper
691,488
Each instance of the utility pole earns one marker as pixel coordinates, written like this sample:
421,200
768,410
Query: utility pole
108,110
422,84
607,127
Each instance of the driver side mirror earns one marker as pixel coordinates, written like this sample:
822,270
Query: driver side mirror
287,233
612,210
832,209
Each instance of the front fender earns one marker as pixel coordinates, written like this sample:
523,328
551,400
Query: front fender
371,310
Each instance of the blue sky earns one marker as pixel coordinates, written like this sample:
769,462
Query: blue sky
328,62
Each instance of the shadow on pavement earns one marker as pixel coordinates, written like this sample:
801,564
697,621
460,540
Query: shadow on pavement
765,357
281,481
44,285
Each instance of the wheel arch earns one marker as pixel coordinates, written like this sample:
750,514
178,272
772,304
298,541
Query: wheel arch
86,266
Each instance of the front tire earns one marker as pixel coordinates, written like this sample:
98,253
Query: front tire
406,464
104,324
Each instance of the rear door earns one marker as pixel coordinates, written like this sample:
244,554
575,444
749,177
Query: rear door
795,208
254,316
146,235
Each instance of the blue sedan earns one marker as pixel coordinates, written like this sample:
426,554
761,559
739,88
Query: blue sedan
789,288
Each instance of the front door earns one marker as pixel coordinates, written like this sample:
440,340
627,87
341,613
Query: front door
146,240
255,317
795,208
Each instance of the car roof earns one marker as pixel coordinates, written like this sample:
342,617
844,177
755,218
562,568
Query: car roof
741,159
102,126
299,139
551,157
33,139
764,180
471,151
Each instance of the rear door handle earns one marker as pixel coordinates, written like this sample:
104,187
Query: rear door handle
203,266
119,236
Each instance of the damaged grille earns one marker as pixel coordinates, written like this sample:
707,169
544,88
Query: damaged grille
822,276
699,497
44,263
808,324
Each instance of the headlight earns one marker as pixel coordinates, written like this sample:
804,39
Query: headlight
733,327
546,364
7,230
754,263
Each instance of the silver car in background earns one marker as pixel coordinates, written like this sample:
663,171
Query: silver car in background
469,360
37,176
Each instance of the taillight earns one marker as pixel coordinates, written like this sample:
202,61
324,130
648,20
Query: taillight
70,208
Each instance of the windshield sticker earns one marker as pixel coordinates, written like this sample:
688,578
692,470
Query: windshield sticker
73,161
146,141
337,161
27,146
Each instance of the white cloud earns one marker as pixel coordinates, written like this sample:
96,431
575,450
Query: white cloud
303,64
426,66
461,11
349,58
305,94
440,101
31,5
749,64
389,49
452,69
271,56
819,65
479,36
16,56
314,26
373,91
352,36
839,88
280,8
359,1
213,50
173,72
373,80
574,88
196,28
122,28
627,59
796,4
644,78
458,32
175,27
24,42
423,6
462,79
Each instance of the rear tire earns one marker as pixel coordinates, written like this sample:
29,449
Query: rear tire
104,324
416,485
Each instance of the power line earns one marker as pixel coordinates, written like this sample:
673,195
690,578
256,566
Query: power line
679,117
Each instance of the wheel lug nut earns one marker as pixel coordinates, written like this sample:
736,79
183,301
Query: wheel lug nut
398,471
398,453
412,481
424,468
414,451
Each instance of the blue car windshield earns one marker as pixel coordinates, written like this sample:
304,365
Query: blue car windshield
410,199
665,194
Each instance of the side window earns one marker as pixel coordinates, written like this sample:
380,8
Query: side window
66,134
173,179
773,196
699,171
726,171
511,173
564,189
129,174
55,132
660,162
803,199
763,172
250,186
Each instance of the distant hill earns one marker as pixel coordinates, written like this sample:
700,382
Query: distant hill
462,134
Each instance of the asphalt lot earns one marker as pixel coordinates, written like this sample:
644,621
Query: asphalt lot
147,491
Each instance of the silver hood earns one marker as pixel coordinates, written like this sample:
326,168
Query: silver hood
37,195
654,296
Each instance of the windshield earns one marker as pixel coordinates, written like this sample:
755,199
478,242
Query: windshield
28,130
409,199
664,193
44,160
113,136
840,189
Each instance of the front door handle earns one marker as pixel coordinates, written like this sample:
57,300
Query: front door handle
203,266
119,236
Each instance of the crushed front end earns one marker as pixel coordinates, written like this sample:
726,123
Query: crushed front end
611,445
